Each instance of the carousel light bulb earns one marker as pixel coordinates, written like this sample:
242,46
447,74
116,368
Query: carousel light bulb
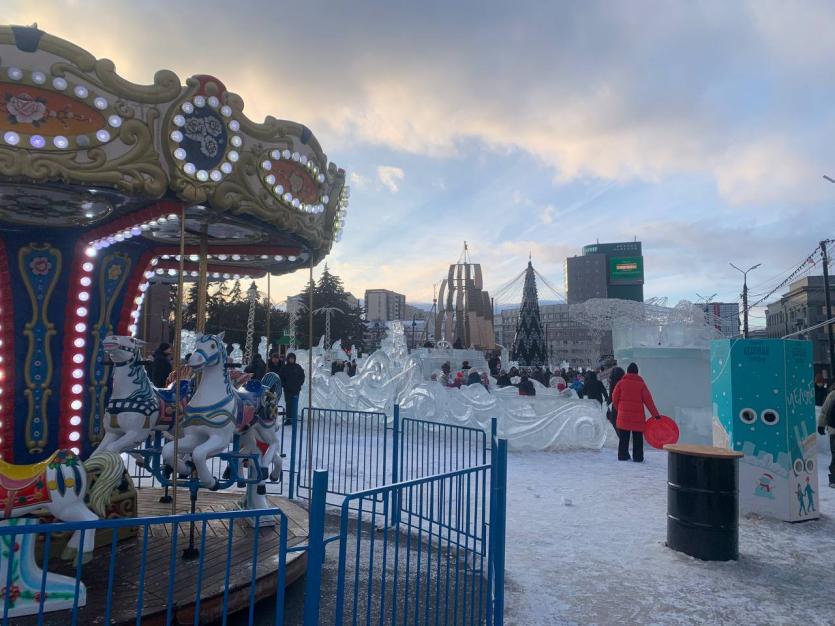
194,257
154,262
179,120
84,296
100,103
295,156
236,276
288,197
77,389
215,275
75,420
291,258
266,164
321,178
234,126
215,175
296,202
134,314
226,110
75,450
75,405
278,189
285,154
222,257
81,327
202,175
11,138
180,154
303,159
115,121
227,276
59,141
143,287
78,358
269,179
226,167
278,257
189,168
213,102
132,330
90,252
59,83
136,231
15,73
75,435
78,373
37,141
145,227
172,216
236,257
160,271
193,274
188,107
103,135
119,237
199,101
172,272
233,156
276,154
81,311
79,342
87,266
325,199
176,135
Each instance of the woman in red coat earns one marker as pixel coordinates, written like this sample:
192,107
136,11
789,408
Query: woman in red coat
629,398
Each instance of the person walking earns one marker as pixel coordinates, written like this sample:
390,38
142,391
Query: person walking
292,379
593,389
826,425
629,398
161,366
256,367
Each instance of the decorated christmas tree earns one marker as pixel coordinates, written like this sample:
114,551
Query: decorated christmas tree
529,343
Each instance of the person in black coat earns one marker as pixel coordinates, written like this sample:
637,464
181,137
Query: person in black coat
292,379
275,363
593,389
526,387
474,378
256,367
161,366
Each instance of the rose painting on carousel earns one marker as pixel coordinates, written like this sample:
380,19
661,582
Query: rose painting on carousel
29,110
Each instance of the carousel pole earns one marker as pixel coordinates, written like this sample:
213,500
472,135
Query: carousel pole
269,312
178,335
190,553
250,324
310,378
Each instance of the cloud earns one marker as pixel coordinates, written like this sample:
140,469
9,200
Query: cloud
390,177
547,214
355,179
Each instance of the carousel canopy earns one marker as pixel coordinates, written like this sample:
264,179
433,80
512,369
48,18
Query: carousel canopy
85,150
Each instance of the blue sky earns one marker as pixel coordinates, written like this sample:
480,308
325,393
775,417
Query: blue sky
702,128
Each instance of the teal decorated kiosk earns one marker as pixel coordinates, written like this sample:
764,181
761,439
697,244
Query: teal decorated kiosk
763,406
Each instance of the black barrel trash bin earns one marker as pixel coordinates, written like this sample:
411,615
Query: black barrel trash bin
703,501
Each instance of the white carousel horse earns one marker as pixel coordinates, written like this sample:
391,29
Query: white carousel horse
59,485
217,411
135,404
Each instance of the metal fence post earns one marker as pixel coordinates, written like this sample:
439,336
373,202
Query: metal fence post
395,460
498,530
293,436
316,548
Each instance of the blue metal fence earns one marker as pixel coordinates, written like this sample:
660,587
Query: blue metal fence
421,535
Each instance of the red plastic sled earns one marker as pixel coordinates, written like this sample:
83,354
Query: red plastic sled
660,432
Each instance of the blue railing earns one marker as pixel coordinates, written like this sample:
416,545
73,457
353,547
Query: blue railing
162,573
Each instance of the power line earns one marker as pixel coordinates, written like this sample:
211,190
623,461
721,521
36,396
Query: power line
809,260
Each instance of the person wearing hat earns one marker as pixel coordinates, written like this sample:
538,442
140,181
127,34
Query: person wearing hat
629,398
292,379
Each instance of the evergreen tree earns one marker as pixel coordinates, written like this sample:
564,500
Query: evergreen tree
529,343
346,323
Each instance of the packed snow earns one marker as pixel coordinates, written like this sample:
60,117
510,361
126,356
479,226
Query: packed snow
585,545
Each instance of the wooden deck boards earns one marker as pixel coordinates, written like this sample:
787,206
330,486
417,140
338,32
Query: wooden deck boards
215,579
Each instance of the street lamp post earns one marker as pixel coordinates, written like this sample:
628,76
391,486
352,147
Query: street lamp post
828,300
745,296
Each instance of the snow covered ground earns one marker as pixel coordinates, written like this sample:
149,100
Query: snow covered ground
602,559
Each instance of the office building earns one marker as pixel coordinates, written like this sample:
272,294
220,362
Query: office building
383,305
724,316
606,270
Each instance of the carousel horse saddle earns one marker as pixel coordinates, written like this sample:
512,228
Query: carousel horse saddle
168,400
16,476
248,399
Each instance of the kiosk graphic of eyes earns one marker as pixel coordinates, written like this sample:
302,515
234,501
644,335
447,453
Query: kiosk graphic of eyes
748,416
810,465
770,417
798,466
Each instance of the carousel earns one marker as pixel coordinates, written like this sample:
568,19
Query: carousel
106,187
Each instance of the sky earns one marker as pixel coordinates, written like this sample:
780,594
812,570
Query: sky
701,128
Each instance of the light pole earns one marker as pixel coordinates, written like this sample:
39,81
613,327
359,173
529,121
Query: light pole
745,296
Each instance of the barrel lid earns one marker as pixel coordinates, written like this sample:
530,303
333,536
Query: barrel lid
708,451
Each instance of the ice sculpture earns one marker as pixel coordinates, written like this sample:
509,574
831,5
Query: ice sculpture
391,375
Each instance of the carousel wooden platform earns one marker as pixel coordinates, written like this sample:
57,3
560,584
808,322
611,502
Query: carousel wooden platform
214,578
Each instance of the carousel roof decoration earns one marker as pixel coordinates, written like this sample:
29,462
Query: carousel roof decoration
101,182
83,147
